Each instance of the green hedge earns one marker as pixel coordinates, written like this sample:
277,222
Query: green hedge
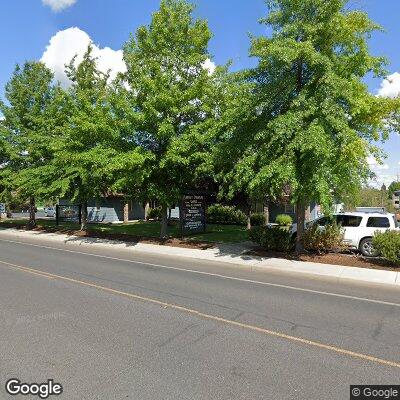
284,220
257,219
388,245
220,214
272,238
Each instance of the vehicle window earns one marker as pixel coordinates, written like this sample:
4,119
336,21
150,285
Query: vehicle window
378,222
348,220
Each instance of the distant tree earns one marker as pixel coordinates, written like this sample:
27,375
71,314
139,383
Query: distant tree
171,92
26,130
368,197
394,186
320,120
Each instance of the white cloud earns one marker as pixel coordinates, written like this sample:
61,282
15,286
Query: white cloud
58,5
375,165
210,65
390,87
382,175
380,179
64,45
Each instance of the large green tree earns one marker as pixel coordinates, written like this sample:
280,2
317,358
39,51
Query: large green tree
173,96
27,129
93,154
320,122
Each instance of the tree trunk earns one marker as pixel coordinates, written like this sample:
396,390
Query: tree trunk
32,212
126,213
248,221
266,213
248,213
169,216
164,222
146,209
84,216
300,217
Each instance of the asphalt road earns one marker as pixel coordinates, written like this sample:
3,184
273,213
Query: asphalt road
113,325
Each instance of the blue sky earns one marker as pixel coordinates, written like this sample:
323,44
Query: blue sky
28,26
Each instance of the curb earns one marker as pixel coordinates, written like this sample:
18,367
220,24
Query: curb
339,272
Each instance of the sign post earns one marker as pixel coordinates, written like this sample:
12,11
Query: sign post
193,213
71,213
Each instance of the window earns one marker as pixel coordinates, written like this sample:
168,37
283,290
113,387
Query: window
348,220
378,222
289,208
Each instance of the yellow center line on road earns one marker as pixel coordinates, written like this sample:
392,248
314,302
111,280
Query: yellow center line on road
200,314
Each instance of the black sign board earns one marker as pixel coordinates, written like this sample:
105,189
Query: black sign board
193,213
71,213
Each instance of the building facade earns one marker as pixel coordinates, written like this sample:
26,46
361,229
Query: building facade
396,199
112,209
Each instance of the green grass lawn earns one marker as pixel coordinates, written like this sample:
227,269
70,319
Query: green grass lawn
151,229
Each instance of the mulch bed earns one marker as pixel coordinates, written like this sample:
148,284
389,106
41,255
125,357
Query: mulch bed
348,259
173,242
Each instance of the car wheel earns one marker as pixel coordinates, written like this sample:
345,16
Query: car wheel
367,249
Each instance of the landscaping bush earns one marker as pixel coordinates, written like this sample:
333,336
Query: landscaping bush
284,220
388,245
323,240
154,213
257,219
272,238
219,214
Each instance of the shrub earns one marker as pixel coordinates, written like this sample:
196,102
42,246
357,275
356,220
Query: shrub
272,238
219,214
388,245
154,213
257,219
322,240
284,220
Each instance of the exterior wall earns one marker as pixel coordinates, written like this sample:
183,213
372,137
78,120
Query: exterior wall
110,209
136,210
175,212
274,209
106,210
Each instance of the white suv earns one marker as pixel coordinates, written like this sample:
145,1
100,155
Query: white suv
359,228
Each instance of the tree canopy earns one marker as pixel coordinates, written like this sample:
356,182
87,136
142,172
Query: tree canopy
28,128
172,96
302,122
317,121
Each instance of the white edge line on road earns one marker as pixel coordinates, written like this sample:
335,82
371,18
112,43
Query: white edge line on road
386,303
197,313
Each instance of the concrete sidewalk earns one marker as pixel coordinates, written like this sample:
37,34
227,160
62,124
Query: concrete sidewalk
232,254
